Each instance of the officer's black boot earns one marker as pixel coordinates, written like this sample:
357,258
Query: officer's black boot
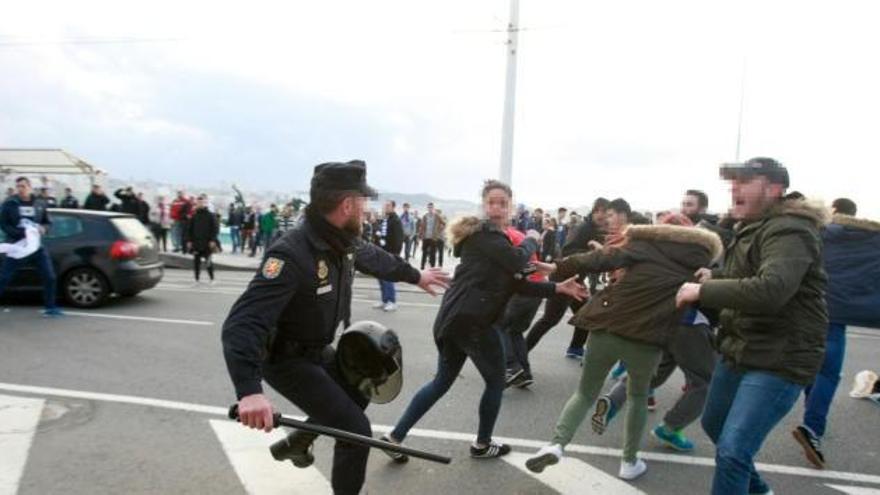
296,448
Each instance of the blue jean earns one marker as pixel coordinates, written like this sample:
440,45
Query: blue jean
235,234
741,410
389,293
820,394
177,235
484,349
47,273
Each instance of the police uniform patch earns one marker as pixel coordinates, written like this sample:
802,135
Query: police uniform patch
272,268
323,270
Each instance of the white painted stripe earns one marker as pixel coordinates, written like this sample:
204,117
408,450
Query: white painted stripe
574,476
138,318
855,490
248,452
19,417
449,435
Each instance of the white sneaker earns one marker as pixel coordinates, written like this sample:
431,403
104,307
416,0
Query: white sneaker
632,471
547,456
196,285
389,307
379,305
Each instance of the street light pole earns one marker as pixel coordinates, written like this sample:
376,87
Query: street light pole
506,173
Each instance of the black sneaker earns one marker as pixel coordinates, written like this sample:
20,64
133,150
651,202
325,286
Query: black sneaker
397,457
526,381
514,378
490,451
811,444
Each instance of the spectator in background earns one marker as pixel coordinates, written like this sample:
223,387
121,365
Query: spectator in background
548,241
441,240
128,201
537,220
160,222
285,221
201,238
180,208
10,192
69,201
47,198
430,229
522,221
268,224
562,227
143,210
408,223
234,219
96,199
390,238
248,227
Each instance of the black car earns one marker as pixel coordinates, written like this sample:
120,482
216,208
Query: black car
95,254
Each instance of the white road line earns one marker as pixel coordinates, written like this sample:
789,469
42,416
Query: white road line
574,476
138,318
260,474
19,417
449,435
855,490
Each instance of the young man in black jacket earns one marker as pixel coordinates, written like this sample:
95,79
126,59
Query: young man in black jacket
390,238
201,237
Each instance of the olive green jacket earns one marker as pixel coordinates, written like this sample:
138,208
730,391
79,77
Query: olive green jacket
771,293
656,260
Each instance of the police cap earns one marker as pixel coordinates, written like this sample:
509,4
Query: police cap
339,176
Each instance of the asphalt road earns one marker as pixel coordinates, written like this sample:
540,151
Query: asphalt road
96,381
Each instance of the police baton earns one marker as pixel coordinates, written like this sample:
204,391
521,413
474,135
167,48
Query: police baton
348,436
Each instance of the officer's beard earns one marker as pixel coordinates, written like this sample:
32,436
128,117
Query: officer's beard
354,227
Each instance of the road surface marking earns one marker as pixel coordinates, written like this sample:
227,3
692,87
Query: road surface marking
855,490
574,476
450,435
138,318
248,452
19,417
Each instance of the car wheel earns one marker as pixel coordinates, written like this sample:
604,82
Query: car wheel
85,288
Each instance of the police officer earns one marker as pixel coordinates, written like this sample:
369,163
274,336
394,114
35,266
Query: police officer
281,328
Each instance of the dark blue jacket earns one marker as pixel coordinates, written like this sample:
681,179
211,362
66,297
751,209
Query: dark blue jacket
14,209
852,261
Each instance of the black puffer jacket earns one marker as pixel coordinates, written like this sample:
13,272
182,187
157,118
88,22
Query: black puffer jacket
202,228
488,275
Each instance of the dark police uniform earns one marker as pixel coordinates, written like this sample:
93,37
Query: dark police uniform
281,329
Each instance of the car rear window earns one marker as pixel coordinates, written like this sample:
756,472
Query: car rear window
131,228
64,226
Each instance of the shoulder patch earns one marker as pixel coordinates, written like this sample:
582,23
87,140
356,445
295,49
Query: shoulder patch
272,268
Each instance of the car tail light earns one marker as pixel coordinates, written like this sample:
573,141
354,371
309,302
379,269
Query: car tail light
123,251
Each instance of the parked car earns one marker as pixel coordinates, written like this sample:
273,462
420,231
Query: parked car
95,254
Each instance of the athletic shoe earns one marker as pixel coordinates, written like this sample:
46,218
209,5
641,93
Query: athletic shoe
526,381
618,371
53,313
379,305
673,439
548,455
389,307
811,444
490,451
652,402
630,471
603,414
575,353
768,492
397,457
514,378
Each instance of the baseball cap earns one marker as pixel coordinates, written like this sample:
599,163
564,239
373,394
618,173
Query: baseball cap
768,167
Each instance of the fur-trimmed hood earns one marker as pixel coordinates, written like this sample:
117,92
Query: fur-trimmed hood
463,227
857,223
811,210
675,233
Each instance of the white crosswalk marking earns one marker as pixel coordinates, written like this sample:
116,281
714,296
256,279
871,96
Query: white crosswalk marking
855,490
574,476
19,417
248,452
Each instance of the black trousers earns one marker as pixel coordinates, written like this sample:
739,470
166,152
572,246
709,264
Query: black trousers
316,387
554,310
517,318
429,252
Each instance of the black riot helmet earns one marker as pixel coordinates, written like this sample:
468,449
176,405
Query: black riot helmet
370,358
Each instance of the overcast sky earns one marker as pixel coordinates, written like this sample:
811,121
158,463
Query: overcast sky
632,99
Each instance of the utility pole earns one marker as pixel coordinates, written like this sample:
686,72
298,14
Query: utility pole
506,174
742,99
